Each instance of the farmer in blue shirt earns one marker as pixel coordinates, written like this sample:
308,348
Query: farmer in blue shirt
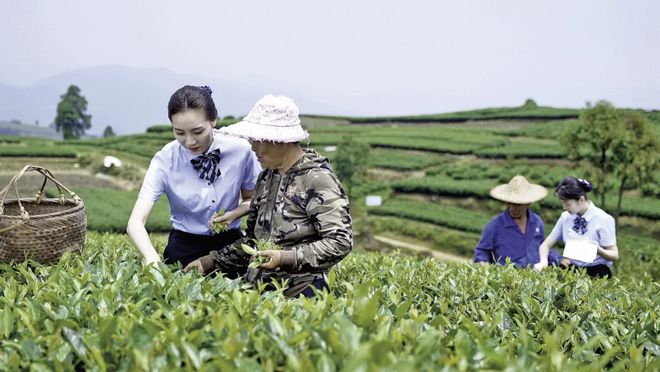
517,232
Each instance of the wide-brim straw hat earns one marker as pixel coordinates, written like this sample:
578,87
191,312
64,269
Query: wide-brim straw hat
273,119
519,191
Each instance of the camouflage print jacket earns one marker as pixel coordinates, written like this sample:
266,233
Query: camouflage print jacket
305,212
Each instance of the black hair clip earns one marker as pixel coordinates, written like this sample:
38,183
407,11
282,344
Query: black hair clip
586,185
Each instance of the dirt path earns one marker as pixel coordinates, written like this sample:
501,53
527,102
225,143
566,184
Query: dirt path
445,257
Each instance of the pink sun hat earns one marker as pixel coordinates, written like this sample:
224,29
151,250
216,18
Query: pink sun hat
273,119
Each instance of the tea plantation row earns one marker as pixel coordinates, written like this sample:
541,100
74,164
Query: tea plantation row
103,311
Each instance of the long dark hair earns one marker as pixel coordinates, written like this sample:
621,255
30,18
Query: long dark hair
192,98
571,188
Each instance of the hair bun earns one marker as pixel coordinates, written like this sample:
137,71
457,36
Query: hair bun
586,185
206,89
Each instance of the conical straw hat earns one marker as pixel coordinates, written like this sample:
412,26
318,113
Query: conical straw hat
519,191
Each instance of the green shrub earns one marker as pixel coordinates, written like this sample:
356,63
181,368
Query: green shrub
546,130
433,236
10,139
443,185
160,128
404,160
524,150
443,215
37,151
103,310
530,104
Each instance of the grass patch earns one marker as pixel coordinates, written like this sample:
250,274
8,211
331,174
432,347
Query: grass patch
108,210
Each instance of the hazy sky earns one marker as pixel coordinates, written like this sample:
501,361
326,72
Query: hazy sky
361,56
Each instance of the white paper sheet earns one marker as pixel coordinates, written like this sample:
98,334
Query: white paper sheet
581,249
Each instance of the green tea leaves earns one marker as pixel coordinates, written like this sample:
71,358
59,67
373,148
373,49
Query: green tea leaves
219,226
6,322
259,245
249,250
104,310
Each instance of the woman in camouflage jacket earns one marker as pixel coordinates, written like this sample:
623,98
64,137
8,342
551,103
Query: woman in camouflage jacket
298,204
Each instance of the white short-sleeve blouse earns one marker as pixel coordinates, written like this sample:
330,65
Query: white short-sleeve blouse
600,228
193,200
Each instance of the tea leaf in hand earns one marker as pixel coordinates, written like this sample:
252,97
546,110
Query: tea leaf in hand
219,226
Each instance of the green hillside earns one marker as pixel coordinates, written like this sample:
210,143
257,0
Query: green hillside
104,310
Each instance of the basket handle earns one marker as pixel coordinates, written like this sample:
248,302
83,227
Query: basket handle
37,198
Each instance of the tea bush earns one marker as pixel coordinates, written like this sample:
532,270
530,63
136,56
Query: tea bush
441,184
104,310
402,160
524,150
37,151
443,215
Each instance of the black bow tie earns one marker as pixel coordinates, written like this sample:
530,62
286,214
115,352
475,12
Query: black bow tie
207,165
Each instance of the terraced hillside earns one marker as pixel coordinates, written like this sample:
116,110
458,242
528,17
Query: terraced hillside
428,172
103,310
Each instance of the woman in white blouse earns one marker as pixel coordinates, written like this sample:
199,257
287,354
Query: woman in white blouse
586,224
201,172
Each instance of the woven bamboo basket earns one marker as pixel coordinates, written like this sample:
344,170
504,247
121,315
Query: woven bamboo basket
40,229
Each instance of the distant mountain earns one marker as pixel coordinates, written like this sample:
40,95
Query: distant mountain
16,128
132,99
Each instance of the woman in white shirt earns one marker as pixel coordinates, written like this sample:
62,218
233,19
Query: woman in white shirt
582,221
201,172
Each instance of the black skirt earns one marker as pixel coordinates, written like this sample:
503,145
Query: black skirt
184,247
595,271
599,271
